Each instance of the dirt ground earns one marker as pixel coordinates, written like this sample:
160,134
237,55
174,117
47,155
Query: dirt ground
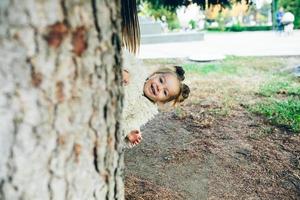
212,147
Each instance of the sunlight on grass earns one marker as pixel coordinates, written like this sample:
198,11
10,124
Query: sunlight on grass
287,87
284,113
221,68
233,65
282,103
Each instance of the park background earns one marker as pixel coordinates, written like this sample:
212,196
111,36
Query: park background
218,15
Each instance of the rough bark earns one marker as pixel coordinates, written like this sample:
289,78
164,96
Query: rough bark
60,100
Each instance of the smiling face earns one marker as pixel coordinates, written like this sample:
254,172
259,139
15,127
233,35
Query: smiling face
162,87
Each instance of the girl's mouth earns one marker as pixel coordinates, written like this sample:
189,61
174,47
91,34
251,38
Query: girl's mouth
153,89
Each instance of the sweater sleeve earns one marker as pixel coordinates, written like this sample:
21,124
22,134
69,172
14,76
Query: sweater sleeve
137,109
128,126
136,115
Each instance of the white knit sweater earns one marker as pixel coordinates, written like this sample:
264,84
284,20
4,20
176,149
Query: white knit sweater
137,110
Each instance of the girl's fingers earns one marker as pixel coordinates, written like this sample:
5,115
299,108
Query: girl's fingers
137,141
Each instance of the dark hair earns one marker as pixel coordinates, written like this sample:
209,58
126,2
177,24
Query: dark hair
130,25
180,72
183,94
184,89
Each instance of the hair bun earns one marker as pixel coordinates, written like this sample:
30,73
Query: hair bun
185,91
184,94
180,72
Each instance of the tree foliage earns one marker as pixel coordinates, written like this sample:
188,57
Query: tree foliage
173,4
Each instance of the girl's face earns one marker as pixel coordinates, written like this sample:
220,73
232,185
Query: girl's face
162,87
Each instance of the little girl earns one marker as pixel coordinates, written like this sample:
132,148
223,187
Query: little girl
144,91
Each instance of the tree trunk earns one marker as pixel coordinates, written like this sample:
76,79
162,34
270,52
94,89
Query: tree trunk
60,100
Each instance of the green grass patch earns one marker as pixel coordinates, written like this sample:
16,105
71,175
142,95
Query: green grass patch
204,69
282,103
285,87
285,113
235,65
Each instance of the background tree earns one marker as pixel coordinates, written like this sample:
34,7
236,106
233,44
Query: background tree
60,99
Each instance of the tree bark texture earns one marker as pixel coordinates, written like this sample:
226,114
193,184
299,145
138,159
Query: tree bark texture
60,100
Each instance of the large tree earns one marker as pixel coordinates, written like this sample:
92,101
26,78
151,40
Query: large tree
60,99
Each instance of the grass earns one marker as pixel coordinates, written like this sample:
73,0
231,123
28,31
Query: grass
285,113
279,98
233,65
210,68
282,103
204,69
287,87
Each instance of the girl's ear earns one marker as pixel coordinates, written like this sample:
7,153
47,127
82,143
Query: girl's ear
180,72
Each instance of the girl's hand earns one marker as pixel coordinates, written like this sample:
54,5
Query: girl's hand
125,75
134,137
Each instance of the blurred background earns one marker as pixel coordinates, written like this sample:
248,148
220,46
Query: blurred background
210,29
214,15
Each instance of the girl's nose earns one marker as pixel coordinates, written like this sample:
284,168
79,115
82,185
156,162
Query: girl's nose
159,87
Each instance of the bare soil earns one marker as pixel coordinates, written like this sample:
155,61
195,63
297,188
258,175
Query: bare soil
212,147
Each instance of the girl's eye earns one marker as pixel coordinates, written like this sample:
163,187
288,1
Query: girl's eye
161,80
165,93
